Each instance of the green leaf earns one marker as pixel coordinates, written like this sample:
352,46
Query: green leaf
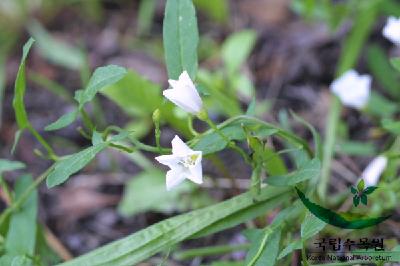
395,63
18,260
180,37
369,190
361,185
273,163
290,248
102,77
44,252
2,85
264,247
311,226
364,199
251,108
216,9
257,209
63,121
211,141
141,245
139,97
227,263
19,106
71,164
8,166
136,95
140,190
380,106
381,69
237,48
145,16
23,222
356,148
19,91
316,136
391,126
17,137
353,190
309,170
356,200
362,27
56,51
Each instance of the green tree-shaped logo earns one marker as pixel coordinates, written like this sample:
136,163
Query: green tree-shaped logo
360,194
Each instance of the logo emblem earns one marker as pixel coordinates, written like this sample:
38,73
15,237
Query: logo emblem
345,220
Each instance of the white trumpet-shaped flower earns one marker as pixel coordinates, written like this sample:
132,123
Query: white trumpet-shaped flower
374,170
184,163
392,30
352,89
184,94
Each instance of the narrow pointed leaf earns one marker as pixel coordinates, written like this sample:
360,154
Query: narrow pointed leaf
180,37
141,245
20,87
364,199
73,163
63,121
102,77
309,170
356,200
369,190
264,247
6,165
21,236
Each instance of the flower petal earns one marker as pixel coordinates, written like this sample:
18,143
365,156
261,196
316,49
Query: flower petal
196,173
174,177
168,160
179,148
181,99
184,94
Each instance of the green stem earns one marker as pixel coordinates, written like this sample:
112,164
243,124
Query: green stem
24,196
256,181
122,147
141,146
303,254
231,144
43,142
290,137
157,133
209,251
190,126
87,121
263,243
329,147
5,188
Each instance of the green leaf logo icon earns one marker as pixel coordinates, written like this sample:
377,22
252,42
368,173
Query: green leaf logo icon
360,194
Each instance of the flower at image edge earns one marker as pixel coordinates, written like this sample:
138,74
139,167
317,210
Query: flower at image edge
392,30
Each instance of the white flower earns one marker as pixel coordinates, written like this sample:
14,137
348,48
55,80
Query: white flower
374,170
352,89
392,30
183,162
184,94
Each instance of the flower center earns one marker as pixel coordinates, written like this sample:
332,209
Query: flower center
189,160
